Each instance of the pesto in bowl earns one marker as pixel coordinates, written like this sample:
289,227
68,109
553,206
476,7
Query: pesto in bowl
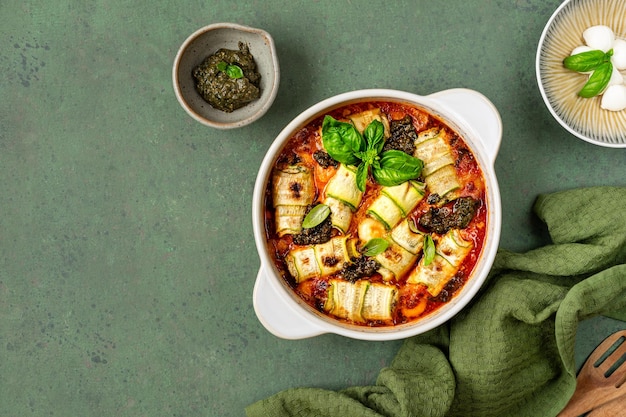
228,79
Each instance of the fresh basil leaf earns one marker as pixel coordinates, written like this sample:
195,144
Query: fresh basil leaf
375,136
429,250
361,176
375,246
316,216
597,81
397,167
585,61
341,140
234,71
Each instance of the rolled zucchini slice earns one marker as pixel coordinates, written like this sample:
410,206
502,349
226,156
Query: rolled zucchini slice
345,299
407,238
302,264
361,300
444,160
405,195
453,247
379,302
439,172
443,181
432,149
293,186
293,189
332,255
340,214
363,119
342,186
396,202
427,134
434,275
385,210
451,251
320,260
289,219
395,261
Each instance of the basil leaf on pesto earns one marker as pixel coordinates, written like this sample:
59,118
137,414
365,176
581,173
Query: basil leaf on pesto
232,70
316,216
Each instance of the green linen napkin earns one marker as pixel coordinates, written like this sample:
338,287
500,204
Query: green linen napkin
510,352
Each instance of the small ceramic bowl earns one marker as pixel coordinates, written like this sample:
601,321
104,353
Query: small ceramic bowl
208,40
582,117
468,112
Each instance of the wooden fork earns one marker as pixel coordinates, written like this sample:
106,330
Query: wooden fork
602,377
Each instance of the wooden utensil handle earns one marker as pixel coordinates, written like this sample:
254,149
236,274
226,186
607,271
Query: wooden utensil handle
585,399
613,408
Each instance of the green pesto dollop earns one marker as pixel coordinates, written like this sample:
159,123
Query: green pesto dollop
219,89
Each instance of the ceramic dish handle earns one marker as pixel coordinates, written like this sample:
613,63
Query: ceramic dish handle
276,315
478,112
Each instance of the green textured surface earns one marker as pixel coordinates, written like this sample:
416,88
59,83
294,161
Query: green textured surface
127,260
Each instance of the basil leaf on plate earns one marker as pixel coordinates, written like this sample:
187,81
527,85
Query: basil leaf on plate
316,216
397,167
429,250
597,81
341,140
585,61
375,246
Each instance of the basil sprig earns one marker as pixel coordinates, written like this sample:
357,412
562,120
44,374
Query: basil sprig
345,144
597,61
232,70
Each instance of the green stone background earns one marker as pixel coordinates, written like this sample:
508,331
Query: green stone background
127,260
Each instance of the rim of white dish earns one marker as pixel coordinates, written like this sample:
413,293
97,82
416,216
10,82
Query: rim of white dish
323,324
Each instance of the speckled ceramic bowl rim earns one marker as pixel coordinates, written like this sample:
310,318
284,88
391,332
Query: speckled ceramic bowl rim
468,112
268,98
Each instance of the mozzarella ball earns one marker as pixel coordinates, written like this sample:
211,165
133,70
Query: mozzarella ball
369,229
619,54
599,37
616,77
581,49
614,98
